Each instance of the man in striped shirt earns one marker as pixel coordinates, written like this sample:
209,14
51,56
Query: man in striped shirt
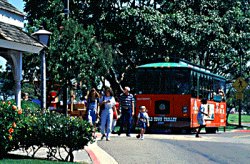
127,110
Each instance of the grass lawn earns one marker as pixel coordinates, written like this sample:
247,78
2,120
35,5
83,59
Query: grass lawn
233,121
18,159
29,161
234,118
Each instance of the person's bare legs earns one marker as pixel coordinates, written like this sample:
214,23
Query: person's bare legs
199,130
142,133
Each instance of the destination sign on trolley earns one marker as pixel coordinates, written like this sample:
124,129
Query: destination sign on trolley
165,119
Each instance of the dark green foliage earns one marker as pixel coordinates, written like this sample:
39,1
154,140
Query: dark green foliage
10,117
32,89
53,130
29,106
30,128
210,33
74,52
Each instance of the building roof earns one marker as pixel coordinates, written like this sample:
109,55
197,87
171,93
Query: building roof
4,5
17,39
15,34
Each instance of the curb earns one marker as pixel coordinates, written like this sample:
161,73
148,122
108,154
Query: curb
241,130
97,154
92,156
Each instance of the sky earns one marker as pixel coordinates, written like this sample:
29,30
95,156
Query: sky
19,4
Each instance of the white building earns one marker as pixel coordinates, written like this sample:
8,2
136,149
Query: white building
14,41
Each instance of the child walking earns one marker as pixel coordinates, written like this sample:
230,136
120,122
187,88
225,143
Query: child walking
142,122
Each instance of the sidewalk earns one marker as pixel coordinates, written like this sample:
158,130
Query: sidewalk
91,154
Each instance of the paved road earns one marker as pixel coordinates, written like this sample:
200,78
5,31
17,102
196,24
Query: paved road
214,148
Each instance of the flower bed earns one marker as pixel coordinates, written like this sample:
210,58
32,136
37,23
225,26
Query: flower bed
32,128
10,117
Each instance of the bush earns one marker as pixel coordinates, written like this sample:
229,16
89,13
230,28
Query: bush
32,128
10,117
29,105
54,131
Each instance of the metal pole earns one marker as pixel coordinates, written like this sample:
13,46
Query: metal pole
65,86
43,79
66,10
240,99
239,112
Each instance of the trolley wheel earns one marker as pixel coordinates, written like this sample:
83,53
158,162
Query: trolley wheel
211,130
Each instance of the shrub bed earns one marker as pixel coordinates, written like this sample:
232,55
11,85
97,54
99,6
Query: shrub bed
10,117
52,130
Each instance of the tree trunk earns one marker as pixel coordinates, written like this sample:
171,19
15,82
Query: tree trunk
71,159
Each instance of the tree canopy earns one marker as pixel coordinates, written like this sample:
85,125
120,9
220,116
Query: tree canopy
74,52
212,33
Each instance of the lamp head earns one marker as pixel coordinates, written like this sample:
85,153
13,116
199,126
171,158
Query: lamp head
43,36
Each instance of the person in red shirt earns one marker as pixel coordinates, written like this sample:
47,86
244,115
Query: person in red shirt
115,114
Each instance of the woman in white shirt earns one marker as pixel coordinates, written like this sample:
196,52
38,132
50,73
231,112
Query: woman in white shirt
108,101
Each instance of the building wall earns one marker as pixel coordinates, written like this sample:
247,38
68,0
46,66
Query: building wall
11,18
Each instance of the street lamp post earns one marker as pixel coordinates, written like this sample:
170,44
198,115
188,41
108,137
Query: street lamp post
43,36
240,76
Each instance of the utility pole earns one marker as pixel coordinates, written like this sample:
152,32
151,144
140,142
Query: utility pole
240,76
65,86
66,8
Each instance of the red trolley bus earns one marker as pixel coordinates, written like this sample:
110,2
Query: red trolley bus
171,92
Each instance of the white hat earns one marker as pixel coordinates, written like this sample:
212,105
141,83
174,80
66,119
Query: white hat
142,107
127,88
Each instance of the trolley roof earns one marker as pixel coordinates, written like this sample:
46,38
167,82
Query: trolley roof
181,64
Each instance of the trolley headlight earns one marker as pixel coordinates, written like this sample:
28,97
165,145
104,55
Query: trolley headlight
184,109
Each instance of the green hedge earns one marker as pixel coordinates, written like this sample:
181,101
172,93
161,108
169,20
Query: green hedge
53,130
10,118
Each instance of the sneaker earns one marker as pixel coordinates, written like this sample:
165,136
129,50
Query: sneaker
142,138
198,136
128,135
103,135
107,139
